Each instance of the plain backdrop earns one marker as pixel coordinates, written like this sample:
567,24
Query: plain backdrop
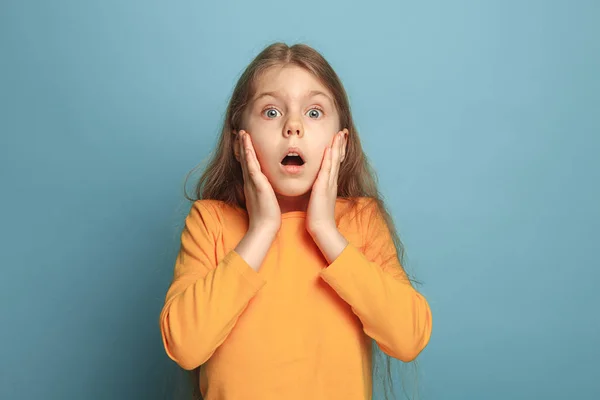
481,118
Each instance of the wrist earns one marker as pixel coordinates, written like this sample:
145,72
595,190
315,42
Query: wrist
263,232
330,241
322,230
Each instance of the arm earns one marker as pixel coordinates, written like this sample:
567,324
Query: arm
375,285
207,296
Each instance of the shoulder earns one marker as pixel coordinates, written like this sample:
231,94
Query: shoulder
369,216
204,209
216,215
215,207
360,208
354,216
202,219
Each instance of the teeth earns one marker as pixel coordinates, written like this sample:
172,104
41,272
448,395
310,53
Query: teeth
293,154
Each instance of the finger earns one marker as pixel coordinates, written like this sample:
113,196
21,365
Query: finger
252,166
335,159
243,157
253,158
327,164
322,174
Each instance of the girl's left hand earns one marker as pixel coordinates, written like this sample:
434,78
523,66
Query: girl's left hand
320,213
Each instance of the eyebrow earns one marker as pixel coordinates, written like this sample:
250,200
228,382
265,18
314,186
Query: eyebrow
277,95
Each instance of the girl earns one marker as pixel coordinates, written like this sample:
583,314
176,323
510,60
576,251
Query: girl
289,263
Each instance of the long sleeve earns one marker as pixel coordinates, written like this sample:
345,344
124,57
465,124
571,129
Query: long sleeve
207,295
376,287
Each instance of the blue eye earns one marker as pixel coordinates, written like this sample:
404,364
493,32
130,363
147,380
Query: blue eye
315,109
313,113
270,112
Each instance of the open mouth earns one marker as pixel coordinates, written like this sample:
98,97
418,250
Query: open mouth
292,160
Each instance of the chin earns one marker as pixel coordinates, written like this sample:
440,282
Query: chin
288,186
293,190
293,193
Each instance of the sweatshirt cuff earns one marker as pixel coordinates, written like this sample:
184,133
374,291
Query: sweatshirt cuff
347,264
234,261
351,268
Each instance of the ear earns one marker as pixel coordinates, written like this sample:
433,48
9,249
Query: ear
344,144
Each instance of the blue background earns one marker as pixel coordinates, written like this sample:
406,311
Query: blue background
481,118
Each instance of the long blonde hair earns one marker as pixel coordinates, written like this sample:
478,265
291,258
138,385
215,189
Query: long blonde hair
222,178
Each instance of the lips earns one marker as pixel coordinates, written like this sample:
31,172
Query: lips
300,161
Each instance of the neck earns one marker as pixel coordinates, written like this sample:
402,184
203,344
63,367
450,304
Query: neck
293,203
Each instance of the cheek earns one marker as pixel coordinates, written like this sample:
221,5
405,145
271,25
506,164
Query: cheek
263,151
325,142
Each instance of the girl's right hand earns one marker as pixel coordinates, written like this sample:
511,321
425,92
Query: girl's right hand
261,203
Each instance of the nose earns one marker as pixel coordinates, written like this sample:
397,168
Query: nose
293,127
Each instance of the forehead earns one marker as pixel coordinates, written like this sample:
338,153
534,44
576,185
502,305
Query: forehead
288,83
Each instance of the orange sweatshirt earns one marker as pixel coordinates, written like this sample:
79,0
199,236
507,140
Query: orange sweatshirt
298,328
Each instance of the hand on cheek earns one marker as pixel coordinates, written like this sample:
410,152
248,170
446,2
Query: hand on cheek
321,206
261,202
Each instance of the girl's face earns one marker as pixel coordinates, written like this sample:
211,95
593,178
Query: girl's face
291,108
